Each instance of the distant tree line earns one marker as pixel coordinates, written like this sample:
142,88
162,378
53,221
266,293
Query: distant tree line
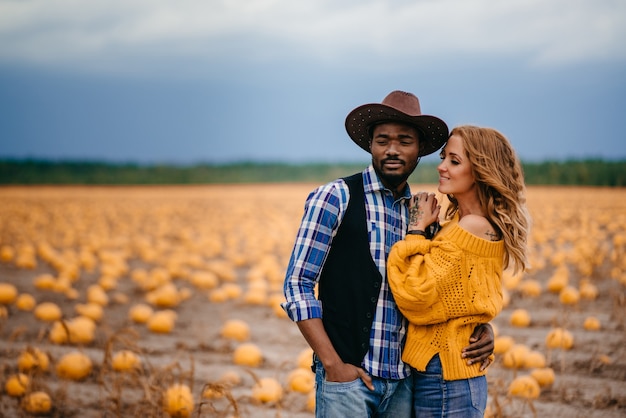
34,172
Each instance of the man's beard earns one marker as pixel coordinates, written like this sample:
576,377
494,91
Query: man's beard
391,180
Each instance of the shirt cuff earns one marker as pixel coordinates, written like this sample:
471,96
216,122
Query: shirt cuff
305,309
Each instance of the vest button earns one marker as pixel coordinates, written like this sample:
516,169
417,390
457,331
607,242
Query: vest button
368,315
365,329
373,299
376,285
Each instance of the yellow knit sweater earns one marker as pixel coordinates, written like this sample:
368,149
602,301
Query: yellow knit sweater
445,287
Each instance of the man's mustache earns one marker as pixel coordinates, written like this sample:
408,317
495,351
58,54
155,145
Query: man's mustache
395,160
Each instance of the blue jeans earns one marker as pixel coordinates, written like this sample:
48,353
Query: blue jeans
435,397
389,399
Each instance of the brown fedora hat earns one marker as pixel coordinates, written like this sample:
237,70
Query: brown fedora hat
398,106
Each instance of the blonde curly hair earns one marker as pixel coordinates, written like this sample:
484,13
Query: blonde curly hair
501,189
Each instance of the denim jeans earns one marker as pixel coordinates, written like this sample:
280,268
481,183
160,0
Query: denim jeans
389,399
435,397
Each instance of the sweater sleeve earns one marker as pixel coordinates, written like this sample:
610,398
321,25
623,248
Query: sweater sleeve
457,276
413,269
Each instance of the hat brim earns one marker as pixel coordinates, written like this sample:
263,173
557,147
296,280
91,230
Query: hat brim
434,131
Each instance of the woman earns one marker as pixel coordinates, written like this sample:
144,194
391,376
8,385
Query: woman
448,284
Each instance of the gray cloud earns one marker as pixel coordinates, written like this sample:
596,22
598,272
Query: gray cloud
126,35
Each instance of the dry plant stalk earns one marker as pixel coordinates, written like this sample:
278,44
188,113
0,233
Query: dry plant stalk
221,390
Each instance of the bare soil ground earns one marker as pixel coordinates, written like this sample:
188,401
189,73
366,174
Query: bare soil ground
590,378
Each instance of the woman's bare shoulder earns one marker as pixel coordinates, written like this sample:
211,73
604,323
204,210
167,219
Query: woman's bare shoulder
479,226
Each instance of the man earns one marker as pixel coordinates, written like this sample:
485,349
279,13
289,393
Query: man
349,225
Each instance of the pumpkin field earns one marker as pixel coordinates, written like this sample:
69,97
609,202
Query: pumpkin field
163,301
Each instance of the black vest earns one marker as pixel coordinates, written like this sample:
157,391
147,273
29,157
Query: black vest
350,281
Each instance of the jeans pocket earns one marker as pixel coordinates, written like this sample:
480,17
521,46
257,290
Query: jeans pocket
478,392
342,387
336,387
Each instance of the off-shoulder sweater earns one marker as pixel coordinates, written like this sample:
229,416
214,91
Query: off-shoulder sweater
445,287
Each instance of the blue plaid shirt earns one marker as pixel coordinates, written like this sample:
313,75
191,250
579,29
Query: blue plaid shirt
386,223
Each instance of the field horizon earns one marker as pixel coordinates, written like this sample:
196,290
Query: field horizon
590,172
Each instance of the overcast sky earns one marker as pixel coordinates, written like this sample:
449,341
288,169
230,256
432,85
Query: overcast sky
156,81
